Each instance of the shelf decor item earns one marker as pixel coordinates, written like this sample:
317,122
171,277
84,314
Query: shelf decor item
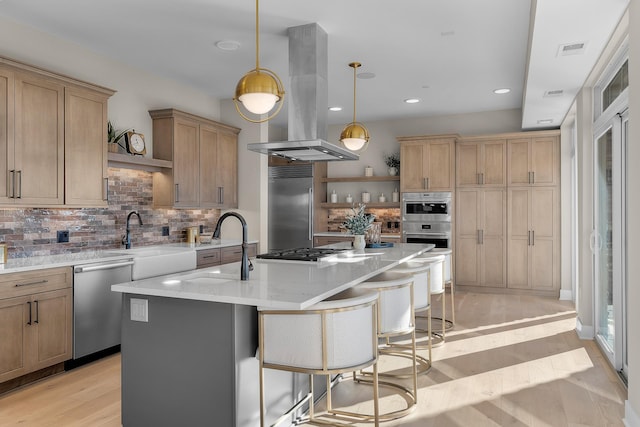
393,163
113,137
357,224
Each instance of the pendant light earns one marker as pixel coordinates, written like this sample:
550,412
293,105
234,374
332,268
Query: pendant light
260,89
355,137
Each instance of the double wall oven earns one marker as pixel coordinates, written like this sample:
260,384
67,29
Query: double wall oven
426,218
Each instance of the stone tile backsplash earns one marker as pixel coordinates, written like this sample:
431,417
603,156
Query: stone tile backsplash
390,216
33,231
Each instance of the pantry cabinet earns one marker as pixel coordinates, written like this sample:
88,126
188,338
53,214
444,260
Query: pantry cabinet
534,160
481,163
205,161
533,238
52,137
427,163
35,320
481,246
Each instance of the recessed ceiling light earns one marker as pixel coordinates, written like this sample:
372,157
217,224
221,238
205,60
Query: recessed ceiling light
412,100
545,121
502,90
228,45
335,108
366,76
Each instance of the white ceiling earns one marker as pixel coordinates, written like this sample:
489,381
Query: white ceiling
451,54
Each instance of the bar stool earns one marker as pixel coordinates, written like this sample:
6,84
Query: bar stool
448,282
331,337
421,302
395,319
436,286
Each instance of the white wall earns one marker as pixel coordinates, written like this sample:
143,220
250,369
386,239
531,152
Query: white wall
137,91
632,410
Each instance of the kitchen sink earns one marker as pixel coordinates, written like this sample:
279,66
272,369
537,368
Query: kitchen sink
155,261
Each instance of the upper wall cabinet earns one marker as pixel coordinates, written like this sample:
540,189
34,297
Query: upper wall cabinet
205,161
427,163
481,162
53,137
534,160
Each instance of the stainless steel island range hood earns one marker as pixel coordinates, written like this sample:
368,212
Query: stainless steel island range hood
308,101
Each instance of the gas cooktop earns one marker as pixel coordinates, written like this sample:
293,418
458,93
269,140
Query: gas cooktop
300,254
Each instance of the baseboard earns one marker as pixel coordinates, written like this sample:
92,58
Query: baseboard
585,332
566,295
631,418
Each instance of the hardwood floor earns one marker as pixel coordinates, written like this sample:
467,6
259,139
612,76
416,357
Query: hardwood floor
511,361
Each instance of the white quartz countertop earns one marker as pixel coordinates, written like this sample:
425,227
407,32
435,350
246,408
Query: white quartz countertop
16,265
277,284
341,234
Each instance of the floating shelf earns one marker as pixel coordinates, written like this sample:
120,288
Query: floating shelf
369,205
362,179
117,160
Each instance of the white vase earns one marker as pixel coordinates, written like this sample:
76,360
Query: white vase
358,241
393,171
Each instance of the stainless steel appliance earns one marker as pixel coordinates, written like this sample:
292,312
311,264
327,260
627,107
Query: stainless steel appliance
97,311
426,218
300,254
290,206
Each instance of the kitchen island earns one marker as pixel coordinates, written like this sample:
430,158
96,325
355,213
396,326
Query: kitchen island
189,340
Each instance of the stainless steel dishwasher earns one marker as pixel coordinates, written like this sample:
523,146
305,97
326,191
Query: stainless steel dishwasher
97,310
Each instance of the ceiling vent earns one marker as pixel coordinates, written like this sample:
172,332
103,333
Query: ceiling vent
572,49
553,93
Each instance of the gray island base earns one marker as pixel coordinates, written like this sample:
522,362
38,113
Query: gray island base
192,362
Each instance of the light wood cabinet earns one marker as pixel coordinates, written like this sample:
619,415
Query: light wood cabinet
534,160
481,245
427,163
533,238
38,164
35,320
205,161
481,162
85,148
53,137
330,240
226,255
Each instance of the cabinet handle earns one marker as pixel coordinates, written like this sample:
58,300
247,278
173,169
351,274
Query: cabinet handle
11,187
37,282
105,189
533,238
310,214
209,256
482,178
533,177
37,311
19,195
177,195
478,178
478,236
221,195
29,322
482,237
529,238
426,183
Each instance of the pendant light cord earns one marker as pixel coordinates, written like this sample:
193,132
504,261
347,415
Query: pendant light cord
257,39
354,92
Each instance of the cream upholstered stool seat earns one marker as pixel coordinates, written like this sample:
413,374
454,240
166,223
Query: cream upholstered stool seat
334,336
395,319
421,301
436,285
448,282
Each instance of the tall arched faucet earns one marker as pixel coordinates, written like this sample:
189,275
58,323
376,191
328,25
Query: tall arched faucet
245,266
126,239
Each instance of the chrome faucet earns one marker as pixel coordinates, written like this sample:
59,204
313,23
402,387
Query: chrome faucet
245,266
126,239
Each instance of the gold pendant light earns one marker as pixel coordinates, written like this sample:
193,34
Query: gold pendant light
260,89
355,137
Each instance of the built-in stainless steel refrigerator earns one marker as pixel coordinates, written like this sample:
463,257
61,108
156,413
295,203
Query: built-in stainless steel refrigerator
290,207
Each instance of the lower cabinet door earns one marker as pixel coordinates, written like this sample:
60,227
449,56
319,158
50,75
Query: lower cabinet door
14,315
52,326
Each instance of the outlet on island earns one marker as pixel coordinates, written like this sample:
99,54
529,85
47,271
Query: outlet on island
63,236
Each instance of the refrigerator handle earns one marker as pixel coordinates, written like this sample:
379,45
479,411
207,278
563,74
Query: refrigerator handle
311,215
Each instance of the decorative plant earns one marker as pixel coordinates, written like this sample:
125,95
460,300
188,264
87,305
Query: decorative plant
392,160
358,222
112,135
